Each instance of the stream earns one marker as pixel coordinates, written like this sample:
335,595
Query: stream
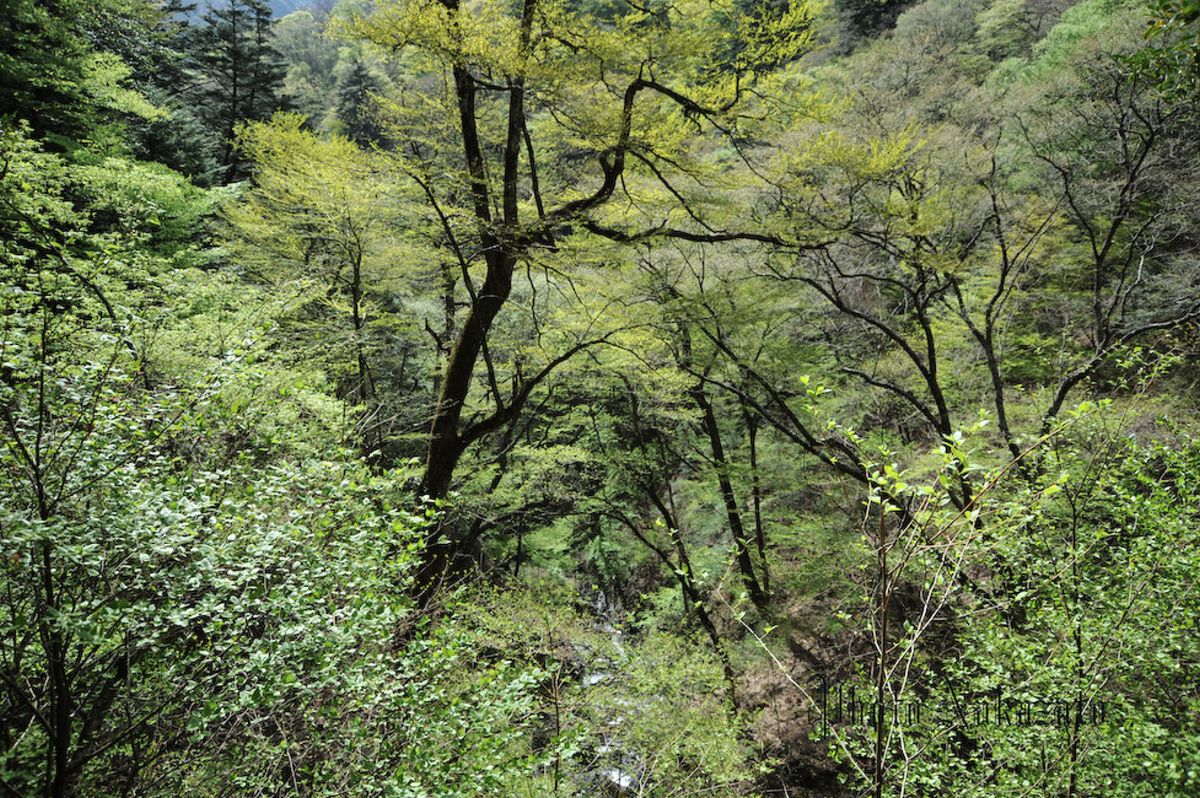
617,771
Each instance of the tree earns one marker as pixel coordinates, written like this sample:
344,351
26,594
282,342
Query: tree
1038,684
1174,57
68,76
355,110
166,627
928,255
497,91
43,61
321,223
310,57
867,17
236,74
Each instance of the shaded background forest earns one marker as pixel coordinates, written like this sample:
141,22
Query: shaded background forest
486,398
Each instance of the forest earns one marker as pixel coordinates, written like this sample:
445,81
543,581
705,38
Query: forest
584,398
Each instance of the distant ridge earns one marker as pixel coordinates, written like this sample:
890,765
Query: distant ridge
279,8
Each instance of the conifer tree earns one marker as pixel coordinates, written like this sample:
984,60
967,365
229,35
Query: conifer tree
354,92
64,63
237,72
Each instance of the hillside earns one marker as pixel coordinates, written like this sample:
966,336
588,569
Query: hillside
428,399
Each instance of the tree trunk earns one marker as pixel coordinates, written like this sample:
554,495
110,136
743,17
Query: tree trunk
445,441
445,444
721,464
687,586
760,535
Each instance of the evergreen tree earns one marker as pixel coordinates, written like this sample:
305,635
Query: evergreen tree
867,17
64,63
237,73
354,92
162,69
